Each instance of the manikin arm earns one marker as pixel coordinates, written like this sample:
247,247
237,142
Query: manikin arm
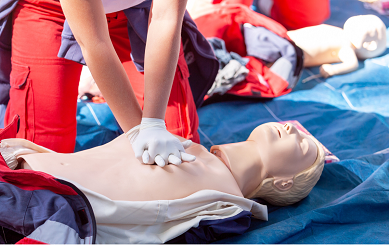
349,63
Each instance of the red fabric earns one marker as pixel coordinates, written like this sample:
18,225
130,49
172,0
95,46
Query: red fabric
245,2
28,179
44,88
252,84
296,14
226,23
11,129
28,241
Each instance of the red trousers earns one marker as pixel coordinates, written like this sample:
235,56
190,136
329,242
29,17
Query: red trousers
44,87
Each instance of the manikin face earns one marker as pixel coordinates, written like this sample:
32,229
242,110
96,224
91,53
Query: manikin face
284,150
368,35
272,150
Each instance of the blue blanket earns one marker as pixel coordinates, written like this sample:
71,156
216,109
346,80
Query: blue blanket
349,114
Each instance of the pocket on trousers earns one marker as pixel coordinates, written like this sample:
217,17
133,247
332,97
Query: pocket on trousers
22,100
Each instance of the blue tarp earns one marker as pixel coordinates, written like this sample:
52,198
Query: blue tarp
349,114
96,125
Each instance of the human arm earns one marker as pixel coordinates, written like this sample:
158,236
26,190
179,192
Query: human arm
161,55
349,63
87,20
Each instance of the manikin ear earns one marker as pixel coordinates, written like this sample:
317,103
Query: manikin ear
283,184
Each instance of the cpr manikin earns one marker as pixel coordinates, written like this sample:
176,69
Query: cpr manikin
362,37
274,163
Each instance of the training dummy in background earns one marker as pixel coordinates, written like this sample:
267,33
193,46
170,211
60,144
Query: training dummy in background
277,163
362,37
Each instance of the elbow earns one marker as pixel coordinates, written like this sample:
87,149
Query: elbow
90,45
87,44
169,13
98,50
352,65
92,41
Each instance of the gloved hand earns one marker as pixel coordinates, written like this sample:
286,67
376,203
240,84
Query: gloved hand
152,143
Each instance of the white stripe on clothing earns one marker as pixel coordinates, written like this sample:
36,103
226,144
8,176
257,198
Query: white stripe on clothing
117,5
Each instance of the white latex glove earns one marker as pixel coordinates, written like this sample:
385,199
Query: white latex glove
152,143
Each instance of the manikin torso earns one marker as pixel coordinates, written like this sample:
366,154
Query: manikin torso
120,176
321,44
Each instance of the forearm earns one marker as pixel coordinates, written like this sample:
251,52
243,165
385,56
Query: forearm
343,68
113,83
89,25
161,55
349,62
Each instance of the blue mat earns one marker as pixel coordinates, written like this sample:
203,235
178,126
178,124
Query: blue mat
349,114
96,125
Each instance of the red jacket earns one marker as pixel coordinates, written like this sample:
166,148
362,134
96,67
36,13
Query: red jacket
224,21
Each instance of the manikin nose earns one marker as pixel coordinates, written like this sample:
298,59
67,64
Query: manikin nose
289,128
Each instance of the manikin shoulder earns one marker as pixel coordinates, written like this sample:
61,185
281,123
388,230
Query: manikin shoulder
321,44
323,35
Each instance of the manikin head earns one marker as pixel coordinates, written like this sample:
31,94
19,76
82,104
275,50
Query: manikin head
368,35
277,163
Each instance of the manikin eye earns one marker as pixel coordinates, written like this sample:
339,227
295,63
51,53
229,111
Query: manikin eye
279,133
